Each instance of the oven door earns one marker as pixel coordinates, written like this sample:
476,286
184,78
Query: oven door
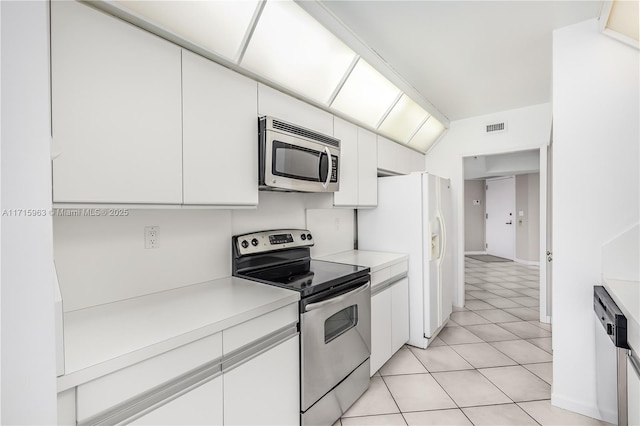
335,338
300,165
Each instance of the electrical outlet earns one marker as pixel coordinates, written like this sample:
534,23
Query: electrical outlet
151,237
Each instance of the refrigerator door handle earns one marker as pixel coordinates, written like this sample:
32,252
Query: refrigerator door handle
443,238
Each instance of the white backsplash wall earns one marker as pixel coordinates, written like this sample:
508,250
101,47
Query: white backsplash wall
103,259
333,230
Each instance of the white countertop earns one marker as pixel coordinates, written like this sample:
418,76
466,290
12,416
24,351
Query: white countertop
626,294
375,260
105,338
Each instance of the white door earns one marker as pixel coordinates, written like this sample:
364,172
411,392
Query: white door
500,219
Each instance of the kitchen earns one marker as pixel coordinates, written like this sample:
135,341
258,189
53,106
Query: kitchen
27,302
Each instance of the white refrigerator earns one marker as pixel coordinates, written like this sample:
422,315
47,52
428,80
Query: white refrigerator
414,216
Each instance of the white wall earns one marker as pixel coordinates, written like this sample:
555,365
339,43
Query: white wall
595,190
103,259
28,389
528,128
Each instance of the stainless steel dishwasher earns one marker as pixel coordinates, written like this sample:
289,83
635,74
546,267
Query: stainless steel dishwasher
612,350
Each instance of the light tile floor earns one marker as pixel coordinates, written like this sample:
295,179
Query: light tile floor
491,364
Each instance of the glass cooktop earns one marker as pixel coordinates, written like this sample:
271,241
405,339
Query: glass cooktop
307,276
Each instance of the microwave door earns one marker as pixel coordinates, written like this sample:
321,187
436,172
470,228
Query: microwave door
297,162
293,164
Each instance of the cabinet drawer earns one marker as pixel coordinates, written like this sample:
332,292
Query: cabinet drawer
380,277
399,268
101,394
200,406
387,276
257,328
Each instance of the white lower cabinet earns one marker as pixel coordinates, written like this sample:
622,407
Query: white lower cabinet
253,378
199,406
380,330
266,389
389,322
399,314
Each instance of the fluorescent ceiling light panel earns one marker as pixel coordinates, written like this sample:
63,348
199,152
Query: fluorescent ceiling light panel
218,26
292,49
403,120
427,135
623,19
366,95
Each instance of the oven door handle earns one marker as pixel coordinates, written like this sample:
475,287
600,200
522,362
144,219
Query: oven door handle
329,167
318,305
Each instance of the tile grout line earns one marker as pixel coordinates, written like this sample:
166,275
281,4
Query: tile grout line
501,274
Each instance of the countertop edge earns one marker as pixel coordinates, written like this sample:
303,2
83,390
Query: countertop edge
75,378
349,257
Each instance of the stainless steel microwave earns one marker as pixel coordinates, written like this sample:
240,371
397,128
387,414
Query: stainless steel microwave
293,158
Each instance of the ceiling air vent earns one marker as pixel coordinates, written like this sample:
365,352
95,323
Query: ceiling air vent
496,127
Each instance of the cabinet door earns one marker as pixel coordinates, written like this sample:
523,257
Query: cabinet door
220,131
266,389
359,168
380,330
279,105
399,314
348,135
395,158
367,169
199,406
116,112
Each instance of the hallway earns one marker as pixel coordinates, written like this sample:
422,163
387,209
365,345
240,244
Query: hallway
491,364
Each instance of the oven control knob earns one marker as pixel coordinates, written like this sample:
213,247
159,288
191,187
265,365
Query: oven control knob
309,237
254,242
303,236
244,244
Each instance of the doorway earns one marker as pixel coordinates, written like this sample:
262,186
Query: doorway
531,219
499,220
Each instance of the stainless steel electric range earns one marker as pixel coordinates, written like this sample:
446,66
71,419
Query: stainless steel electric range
335,316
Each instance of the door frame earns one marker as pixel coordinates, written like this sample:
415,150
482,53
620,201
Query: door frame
545,303
486,205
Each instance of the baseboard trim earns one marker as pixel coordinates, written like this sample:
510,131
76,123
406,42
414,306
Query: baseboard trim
582,408
528,262
474,252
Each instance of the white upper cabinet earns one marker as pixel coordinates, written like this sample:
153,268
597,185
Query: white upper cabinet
116,110
367,169
348,135
396,159
277,104
358,168
220,134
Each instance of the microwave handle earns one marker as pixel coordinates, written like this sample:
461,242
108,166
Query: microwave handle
329,167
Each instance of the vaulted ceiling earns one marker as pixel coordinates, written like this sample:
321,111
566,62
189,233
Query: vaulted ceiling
467,58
